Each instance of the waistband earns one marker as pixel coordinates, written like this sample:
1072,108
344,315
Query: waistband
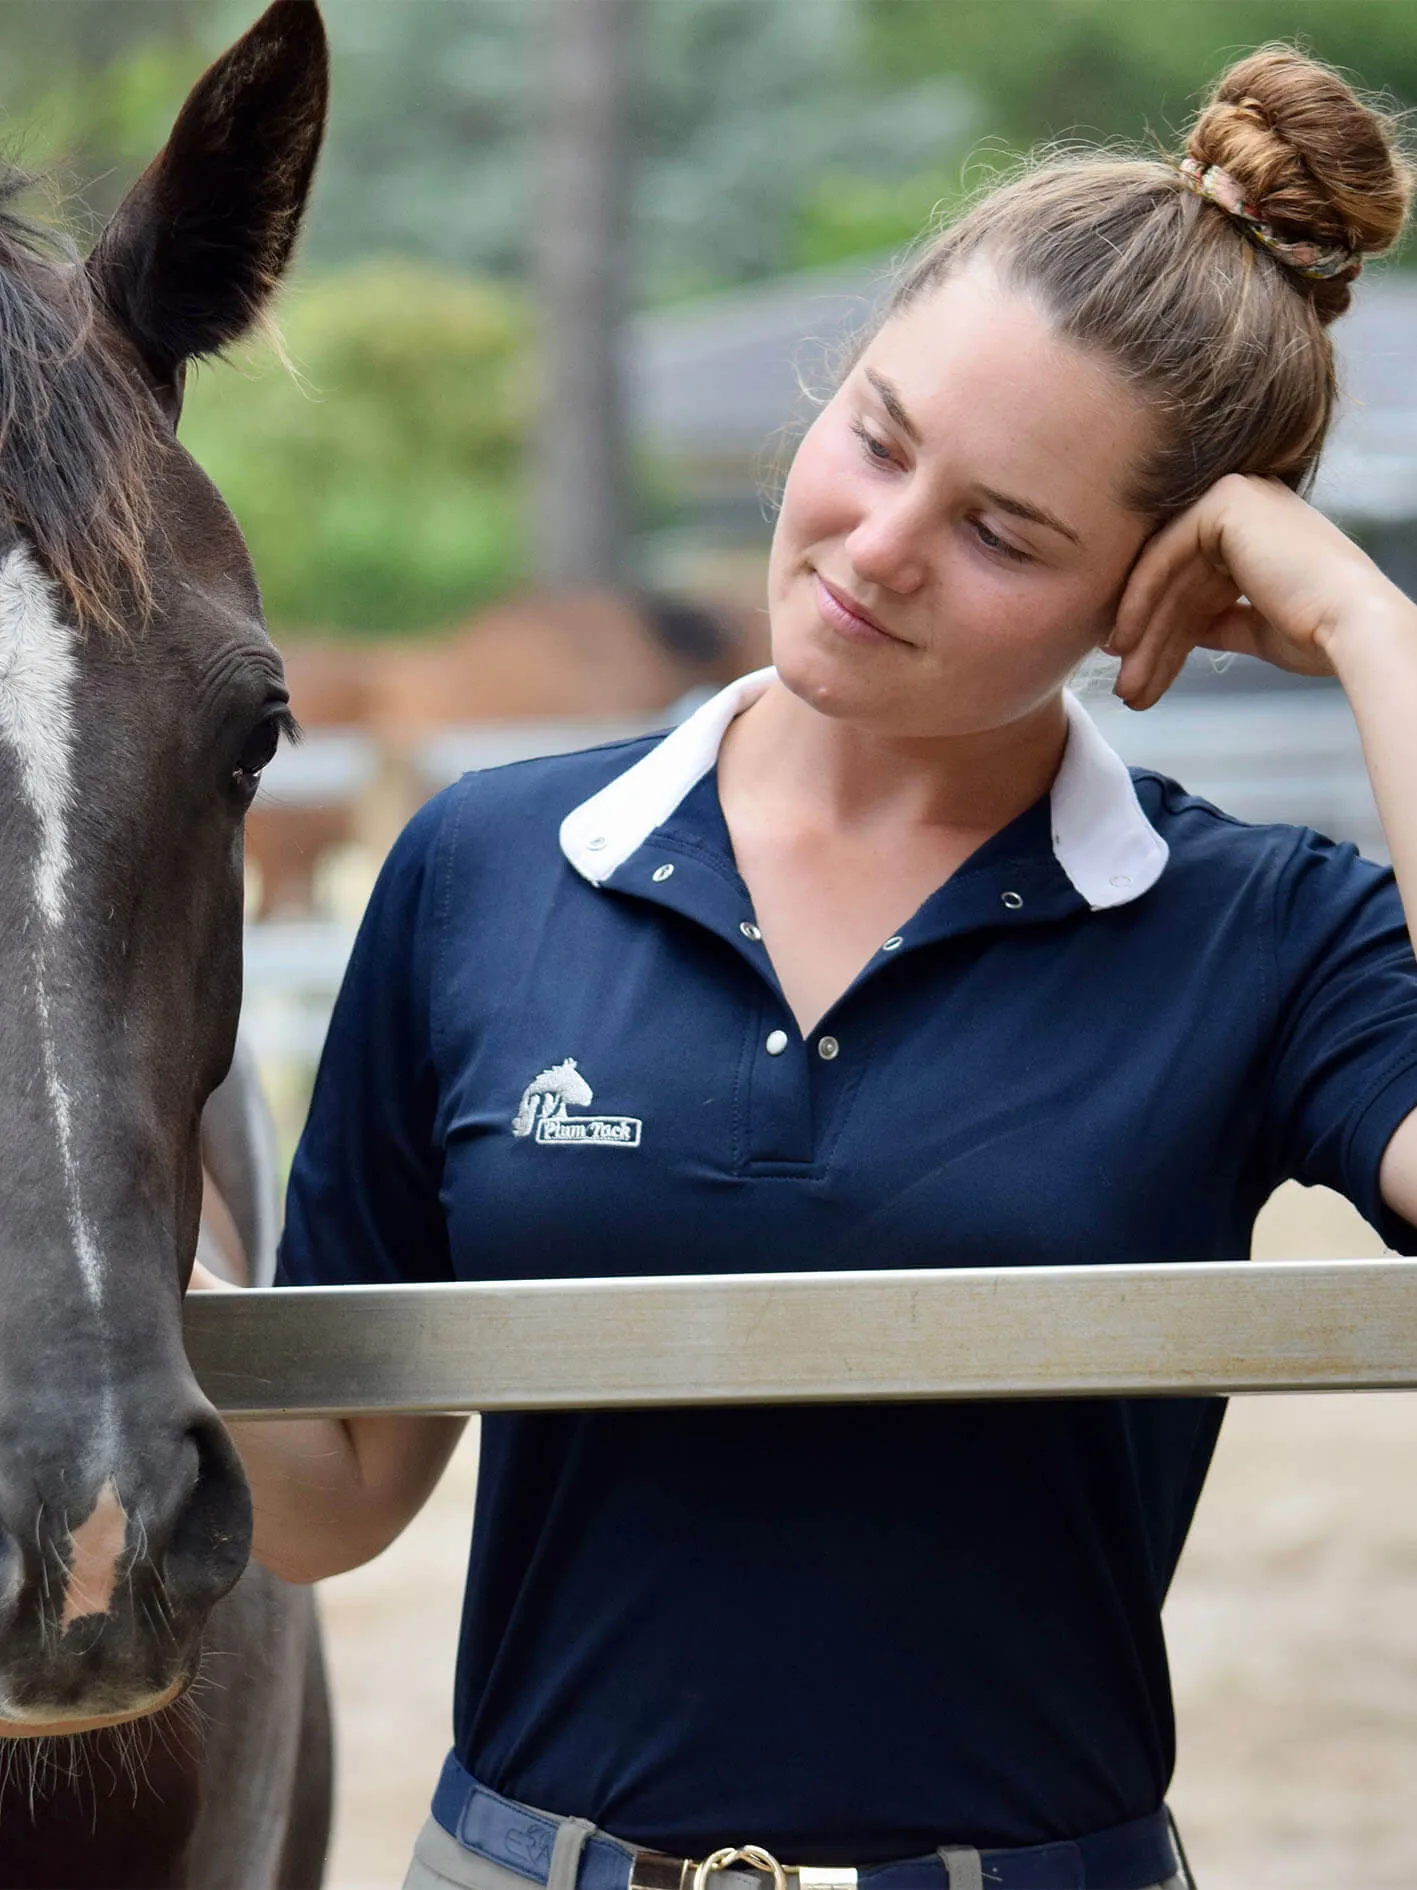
522,1839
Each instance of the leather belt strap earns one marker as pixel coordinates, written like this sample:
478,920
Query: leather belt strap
653,1870
571,1854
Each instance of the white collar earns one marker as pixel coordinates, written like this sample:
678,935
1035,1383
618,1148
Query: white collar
1101,838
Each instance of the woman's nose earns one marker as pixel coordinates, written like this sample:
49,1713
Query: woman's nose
887,547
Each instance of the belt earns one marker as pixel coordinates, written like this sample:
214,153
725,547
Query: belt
521,1839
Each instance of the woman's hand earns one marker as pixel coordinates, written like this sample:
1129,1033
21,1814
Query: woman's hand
1251,568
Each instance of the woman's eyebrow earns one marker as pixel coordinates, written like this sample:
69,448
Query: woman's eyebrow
1019,508
890,400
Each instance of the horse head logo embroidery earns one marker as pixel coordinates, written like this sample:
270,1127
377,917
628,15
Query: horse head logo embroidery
546,1097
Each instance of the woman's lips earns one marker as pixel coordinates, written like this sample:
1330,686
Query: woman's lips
847,617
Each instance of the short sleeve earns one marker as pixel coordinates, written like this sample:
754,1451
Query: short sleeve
1343,1073
363,1206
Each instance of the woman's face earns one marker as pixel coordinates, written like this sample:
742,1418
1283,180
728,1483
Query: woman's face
961,492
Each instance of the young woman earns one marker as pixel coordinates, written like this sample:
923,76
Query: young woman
884,959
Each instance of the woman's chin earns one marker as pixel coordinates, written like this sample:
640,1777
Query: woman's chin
834,682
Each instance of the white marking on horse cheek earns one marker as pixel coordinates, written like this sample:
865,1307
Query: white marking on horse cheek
96,1552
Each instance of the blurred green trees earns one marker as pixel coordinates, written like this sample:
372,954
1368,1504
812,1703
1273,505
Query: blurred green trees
772,134
380,487
1064,69
1115,68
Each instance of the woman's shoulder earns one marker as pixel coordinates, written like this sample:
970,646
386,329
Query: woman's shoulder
508,805
1216,855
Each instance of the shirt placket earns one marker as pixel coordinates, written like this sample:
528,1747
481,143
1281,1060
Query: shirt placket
781,1077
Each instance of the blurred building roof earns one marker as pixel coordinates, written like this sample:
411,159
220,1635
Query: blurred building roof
714,382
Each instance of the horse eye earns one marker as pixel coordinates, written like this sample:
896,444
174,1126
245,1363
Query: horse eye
261,745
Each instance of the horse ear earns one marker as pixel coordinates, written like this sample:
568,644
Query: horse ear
194,252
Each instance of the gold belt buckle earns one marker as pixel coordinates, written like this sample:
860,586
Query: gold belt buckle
753,1854
651,1870
809,1876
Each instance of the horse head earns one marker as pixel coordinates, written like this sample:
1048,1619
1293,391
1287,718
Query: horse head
572,1086
140,697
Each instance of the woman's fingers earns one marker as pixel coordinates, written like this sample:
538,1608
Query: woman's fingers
1152,575
1204,613
1144,686
1179,615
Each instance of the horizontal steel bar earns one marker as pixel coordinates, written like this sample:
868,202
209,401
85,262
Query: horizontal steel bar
800,1337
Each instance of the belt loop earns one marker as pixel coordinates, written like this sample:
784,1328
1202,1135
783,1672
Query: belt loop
566,1853
964,1869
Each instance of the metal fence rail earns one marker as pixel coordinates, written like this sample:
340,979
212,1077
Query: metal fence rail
802,1337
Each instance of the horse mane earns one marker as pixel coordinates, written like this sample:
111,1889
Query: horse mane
79,437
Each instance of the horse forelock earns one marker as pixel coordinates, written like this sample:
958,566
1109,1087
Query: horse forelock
79,434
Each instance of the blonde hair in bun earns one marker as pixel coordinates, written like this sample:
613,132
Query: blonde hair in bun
1226,343
1317,163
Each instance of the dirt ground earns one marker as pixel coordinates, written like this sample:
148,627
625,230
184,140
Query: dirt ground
1292,1627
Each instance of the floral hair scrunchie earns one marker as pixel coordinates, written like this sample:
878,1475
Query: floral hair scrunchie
1317,261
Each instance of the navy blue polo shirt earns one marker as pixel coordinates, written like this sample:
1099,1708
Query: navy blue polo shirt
845,1632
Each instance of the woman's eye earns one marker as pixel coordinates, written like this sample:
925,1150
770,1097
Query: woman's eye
1000,547
877,449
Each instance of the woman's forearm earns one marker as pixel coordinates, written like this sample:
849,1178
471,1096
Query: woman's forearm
330,1493
1374,652
306,1494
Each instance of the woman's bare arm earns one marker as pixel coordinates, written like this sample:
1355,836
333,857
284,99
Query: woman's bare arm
330,1493
1251,567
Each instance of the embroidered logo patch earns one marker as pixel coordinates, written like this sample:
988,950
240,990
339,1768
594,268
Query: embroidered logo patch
531,1844
545,1112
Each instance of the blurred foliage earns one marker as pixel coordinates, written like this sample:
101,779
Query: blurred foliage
89,87
381,487
743,108
1051,68
1046,70
770,134
742,105
749,107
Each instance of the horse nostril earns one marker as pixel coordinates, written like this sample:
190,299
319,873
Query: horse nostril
209,1541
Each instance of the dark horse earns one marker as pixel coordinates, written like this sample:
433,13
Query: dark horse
140,697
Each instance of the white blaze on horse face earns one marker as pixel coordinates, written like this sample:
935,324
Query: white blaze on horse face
38,669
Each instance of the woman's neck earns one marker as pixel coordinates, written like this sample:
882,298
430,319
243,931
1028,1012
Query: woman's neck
788,758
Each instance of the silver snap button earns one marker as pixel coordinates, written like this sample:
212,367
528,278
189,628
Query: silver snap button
661,873
893,943
827,1048
749,930
1012,901
595,843
776,1043
1121,879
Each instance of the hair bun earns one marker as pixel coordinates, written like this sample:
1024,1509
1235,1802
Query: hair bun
1315,160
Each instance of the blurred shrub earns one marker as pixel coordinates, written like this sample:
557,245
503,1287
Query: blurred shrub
847,216
383,489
